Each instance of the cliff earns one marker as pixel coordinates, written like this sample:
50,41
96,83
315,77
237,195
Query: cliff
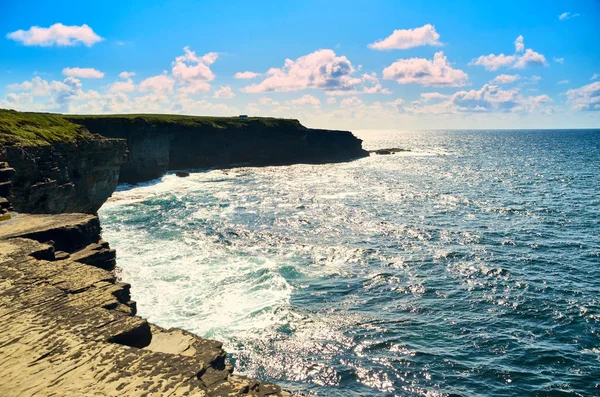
158,143
57,166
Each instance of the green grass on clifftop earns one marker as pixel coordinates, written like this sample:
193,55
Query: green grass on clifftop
31,129
192,121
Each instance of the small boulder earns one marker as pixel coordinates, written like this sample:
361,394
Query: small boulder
182,174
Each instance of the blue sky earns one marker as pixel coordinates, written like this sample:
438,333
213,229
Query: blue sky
335,64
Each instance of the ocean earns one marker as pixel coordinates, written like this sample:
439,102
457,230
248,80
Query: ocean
467,266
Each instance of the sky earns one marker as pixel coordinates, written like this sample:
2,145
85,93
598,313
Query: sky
358,65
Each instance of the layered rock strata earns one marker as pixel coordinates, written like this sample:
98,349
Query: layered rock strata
68,327
63,177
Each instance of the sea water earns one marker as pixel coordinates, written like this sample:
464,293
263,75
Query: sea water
469,265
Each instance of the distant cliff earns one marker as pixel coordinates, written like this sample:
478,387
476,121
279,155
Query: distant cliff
158,143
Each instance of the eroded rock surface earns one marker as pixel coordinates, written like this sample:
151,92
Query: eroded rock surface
68,327
63,177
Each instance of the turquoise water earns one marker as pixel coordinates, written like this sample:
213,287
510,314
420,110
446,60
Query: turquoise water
468,266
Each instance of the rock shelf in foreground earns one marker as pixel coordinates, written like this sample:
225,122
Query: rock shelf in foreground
68,327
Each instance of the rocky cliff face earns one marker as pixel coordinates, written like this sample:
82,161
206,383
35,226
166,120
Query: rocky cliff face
64,177
158,145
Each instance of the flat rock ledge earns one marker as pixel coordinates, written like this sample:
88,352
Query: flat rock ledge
68,327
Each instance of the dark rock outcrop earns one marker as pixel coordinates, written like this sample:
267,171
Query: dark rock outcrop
63,177
157,145
389,151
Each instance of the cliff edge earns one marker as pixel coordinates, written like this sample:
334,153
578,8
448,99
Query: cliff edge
159,143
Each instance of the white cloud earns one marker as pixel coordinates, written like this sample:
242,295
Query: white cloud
530,58
488,99
190,67
246,75
352,101
559,60
493,62
505,79
331,100
224,92
595,76
307,100
408,38
322,70
55,95
83,73
519,44
126,75
429,96
57,34
437,72
517,61
194,87
268,101
586,98
567,15
563,82
161,84
122,86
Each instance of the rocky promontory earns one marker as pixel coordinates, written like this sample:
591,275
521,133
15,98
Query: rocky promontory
159,143
68,326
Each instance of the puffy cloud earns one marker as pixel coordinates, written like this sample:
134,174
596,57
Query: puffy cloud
56,95
493,62
57,34
161,84
331,100
585,98
224,92
322,70
122,86
402,39
83,73
559,60
519,44
436,72
307,100
563,82
352,101
517,61
488,99
194,87
567,15
246,75
190,67
530,58
268,101
126,75
505,79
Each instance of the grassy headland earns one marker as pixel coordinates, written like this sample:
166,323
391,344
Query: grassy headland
33,129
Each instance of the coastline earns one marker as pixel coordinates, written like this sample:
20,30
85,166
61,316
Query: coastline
69,326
